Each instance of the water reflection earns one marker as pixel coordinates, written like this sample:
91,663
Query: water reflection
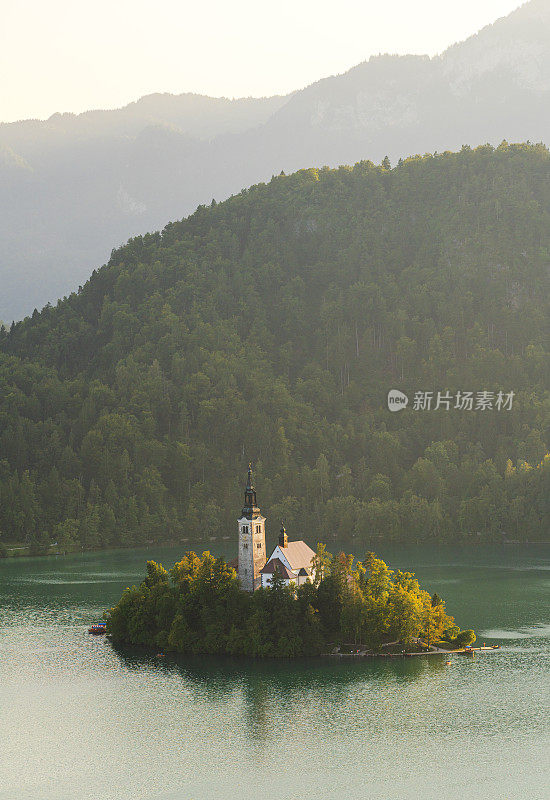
217,728
274,687
223,675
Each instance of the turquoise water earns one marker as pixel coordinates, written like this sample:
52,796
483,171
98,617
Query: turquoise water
80,720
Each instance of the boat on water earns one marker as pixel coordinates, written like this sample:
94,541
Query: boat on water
98,628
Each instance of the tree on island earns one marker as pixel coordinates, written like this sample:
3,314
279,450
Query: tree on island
198,607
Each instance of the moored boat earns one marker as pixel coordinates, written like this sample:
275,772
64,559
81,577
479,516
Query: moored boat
98,628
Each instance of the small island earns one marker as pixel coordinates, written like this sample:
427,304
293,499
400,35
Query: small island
299,602
199,607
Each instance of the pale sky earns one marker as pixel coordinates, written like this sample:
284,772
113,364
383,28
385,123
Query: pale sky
71,55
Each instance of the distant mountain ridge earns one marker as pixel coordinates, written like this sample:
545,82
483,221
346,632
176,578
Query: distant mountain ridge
197,115
75,186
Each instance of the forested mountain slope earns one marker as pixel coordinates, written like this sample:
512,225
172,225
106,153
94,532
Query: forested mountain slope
74,187
271,327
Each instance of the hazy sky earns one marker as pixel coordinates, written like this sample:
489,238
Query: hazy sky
70,55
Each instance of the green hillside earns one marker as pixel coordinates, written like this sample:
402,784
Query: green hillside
271,328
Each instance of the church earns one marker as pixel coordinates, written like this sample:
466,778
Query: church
292,561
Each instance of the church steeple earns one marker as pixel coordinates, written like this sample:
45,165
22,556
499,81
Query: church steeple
250,509
252,555
283,538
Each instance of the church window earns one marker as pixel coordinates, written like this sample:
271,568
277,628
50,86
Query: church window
258,544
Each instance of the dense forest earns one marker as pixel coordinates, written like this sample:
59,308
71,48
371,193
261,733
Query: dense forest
199,608
270,328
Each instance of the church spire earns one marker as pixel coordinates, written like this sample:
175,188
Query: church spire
252,556
250,508
283,538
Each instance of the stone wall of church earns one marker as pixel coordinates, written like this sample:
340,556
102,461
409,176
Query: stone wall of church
252,552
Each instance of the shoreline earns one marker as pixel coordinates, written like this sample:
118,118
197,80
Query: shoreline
160,656
12,552
470,652
23,551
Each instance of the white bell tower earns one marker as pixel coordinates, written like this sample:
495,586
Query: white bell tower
252,555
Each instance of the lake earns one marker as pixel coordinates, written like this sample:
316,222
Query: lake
83,721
